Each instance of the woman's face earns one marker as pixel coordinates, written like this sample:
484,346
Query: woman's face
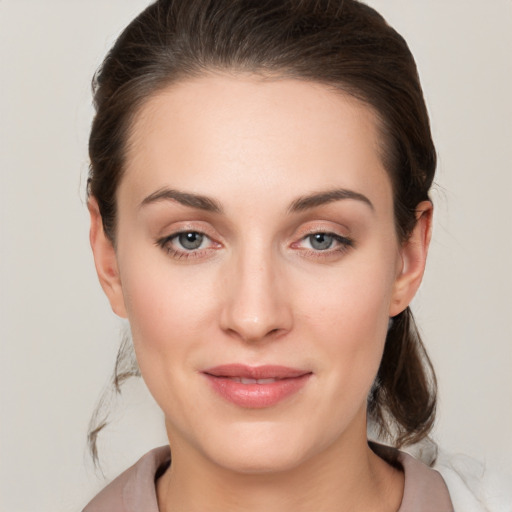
258,264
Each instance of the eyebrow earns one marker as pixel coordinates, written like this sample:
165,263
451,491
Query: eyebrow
210,205
328,196
185,198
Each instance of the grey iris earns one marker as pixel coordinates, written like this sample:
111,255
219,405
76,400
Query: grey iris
190,240
321,241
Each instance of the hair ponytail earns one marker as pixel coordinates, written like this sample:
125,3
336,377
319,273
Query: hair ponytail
402,402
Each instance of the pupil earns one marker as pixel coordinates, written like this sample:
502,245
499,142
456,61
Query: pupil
191,240
321,241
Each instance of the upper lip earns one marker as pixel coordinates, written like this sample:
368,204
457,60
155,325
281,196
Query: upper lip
255,372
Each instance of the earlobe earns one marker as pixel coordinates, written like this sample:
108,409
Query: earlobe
105,260
414,257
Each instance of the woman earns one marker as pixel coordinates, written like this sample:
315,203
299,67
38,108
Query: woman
260,214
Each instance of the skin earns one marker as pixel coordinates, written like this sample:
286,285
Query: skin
258,291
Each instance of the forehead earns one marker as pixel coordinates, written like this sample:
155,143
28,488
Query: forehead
220,132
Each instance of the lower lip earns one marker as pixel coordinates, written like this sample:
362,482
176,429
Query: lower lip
257,396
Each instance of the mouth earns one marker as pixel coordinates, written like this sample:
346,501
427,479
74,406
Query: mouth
252,381
256,387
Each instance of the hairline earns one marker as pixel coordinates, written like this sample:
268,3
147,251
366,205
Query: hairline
164,84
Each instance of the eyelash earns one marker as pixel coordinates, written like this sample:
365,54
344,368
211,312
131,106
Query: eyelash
344,244
166,244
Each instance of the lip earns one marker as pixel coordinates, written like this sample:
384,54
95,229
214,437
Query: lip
256,387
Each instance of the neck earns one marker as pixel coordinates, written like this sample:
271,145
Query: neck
348,477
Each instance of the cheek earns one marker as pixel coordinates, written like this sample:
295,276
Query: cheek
348,317
354,297
158,292
170,310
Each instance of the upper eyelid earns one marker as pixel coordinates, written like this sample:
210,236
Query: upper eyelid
300,232
302,236
346,240
187,227
342,244
344,232
171,236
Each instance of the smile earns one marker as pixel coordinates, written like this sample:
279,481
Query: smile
256,387
253,381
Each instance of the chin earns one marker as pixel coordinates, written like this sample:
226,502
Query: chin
261,448
259,461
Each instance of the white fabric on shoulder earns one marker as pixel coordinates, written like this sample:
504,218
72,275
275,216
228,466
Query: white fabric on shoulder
474,487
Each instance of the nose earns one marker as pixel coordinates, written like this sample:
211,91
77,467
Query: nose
256,306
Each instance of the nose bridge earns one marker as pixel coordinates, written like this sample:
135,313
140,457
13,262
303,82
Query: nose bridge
256,306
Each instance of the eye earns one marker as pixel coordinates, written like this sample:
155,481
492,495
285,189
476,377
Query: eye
190,240
187,244
323,244
321,241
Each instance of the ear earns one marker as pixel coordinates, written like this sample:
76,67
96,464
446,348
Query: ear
105,260
414,257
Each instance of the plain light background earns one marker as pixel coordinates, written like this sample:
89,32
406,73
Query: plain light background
58,337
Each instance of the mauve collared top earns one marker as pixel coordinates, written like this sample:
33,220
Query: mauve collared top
134,490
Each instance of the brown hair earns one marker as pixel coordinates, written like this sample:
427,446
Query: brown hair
341,43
